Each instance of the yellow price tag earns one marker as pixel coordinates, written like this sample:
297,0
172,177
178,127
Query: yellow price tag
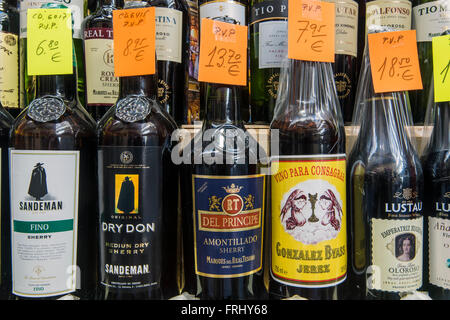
49,41
441,67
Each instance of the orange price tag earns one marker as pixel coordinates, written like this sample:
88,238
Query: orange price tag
223,53
311,30
134,41
394,61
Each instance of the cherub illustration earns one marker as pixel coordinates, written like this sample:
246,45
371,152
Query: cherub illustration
295,202
329,203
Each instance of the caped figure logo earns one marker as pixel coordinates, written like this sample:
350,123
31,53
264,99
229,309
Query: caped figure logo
38,182
126,196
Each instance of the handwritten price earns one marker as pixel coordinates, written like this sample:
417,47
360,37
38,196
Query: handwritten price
136,48
49,47
225,58
441,67
397,67
309,32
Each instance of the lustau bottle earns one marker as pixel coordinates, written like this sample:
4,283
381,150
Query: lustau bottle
436,170
230,9
6,121
268,47
223,205
346,50
102,87
9,57
429,20
53,194
138,192
308,223
385,195
28,83
172,34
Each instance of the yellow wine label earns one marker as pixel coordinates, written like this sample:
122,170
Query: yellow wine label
9,70
309,220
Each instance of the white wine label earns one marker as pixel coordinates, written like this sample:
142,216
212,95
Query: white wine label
102,88
44,219
309,237
346,21
439,251
397,247
75,6
272,43
395,14
431,19
9,70
169,23
232,9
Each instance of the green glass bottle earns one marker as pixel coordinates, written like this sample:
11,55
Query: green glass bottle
79,11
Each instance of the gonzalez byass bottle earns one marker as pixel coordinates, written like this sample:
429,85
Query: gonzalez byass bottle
79,11
224,208
268,47
53,197
172,34
138,192
346,51
308,247
102,87
436,171
385,197
430,19
9,58
6,121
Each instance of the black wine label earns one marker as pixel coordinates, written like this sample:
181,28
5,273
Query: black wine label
130,216
271,9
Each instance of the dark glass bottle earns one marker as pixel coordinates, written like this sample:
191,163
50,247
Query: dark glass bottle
385,194
6,121
428,21
53,194
28,83
9,57
311,141
172,52
223,204
346,49
234,10
436,170
268,47
138,192
102,88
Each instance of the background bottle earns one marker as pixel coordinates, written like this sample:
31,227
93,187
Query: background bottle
268,47
346,50
102,88
9,57
53,146
79,11
172,51
237,10
311,135
436,170
6,121
385,195
429,21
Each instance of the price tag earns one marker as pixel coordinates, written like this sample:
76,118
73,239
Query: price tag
394,61
134,42
311,30
49,41
223,53
441,66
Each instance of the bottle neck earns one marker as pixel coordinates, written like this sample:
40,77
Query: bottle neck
146,85
440,138
62,86
111,3
223,105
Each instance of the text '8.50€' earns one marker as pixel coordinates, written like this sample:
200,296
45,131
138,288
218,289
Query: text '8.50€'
134,42
49,41
223,53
